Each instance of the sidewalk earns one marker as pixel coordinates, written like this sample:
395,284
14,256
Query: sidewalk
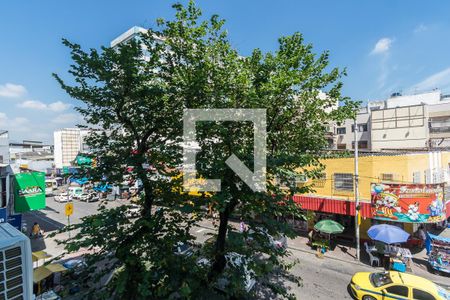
347,254
342,253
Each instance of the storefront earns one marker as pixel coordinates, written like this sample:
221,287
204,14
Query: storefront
341,211
405,205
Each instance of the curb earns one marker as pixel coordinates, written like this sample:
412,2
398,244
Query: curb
354,262
305,251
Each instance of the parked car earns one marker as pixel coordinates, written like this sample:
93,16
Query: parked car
183,249
63,197
88,197
278,241
233,261
133,211
395,285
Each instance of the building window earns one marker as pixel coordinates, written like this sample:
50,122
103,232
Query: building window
341,130
319,182
416,177
361,145
300,180
387,177
361,127
341,146
343,181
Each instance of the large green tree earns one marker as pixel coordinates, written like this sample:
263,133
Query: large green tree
134,96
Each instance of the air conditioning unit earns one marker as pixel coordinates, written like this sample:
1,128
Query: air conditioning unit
16,268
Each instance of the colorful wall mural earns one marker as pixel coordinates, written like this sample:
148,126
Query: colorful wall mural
412,203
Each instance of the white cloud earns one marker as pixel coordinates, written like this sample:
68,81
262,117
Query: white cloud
439,80
57,106
382,46
16,124
67,118
12,90
420,28
31,104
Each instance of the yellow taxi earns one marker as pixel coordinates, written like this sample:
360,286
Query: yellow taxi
395,285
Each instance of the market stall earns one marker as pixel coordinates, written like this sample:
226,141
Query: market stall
438,250
321,236
391,237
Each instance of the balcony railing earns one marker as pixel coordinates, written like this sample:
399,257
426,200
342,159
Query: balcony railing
441,129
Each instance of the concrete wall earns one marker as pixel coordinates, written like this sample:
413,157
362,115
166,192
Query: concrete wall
399,128
429,98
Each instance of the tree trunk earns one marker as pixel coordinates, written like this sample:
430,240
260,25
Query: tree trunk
219,258
148,189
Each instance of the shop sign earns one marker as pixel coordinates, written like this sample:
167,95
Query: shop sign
29,191
412,203
81,160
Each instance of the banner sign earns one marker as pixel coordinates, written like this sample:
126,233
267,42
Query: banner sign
29,191
412,203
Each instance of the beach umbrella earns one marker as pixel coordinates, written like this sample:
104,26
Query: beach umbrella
329,226
387,234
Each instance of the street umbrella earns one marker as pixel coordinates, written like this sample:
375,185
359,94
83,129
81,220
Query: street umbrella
387,234
329,226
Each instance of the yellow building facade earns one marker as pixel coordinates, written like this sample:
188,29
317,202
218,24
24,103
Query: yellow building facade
337,178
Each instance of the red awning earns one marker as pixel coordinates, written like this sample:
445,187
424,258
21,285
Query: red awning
328,205
448,209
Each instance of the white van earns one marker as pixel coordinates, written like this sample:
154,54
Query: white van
50,186
75,191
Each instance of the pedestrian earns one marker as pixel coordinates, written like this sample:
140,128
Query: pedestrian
36,230
421,235
242,226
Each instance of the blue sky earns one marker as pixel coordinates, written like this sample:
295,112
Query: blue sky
386,46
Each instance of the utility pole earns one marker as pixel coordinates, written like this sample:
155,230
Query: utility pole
357,217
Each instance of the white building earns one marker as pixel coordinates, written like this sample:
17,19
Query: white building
131,33
4,147
420,121
68,142
346,132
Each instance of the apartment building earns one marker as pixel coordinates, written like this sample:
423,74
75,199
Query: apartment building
346,132
415,122
68,142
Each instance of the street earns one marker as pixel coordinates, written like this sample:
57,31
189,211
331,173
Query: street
321,277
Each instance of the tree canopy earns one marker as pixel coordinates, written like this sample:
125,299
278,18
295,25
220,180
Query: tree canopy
133,97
